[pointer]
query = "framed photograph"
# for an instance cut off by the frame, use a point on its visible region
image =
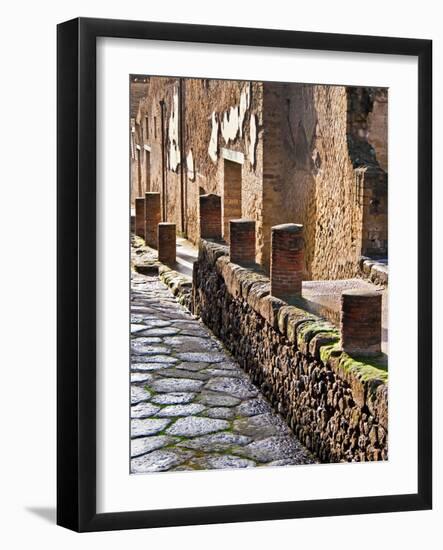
(244, 274)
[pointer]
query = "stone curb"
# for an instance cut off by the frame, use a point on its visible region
(375, 272)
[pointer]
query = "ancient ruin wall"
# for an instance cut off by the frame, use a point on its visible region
(378, 126)
(336, 405)
(306, 154)
(313, 143)
(221, 120)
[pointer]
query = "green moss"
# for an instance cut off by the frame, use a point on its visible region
(309, 329)
(367, 368)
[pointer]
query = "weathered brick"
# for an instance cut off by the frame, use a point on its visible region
(210, 216)
(242, 244)
(140, 217)
(152, 217)
(360, 321)
(166, 243)
(287, 260)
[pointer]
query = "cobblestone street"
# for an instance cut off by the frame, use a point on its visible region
(192, 406)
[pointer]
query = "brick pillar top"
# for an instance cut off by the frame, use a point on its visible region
(287, 260)
(152, 217)
(288, 228)
(210, 216)
(360, 323)
(242, 241)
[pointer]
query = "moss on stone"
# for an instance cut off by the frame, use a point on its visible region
(308, 330)
(366, 368)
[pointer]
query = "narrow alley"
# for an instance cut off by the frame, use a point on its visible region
(192, 406)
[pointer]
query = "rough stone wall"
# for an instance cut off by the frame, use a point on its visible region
(378, 126)
(335, 404)
(288, 184)
(315, 138)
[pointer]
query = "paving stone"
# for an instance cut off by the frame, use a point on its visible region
(137, 328)
(176, 385)
(143, 445)
(181, 410)
(153, 359)
(273, 448)
(148, 426)
(141, 377)
(251, 407)
(145, 367)
(302, 458)
(142, 348)
(141, 309)
(140, 318)
(223, 373)
(189, 343)
(216, 399)
(225, 462)
(157, 323)
(143, 410)
(261, 426)
(195, 332)
(192, 426)
(221, 441)
(181, 373)
(229, 365)
(158, 461)
(187, 365)
(188, 322)
(173, 398)
(166, 331)
(205, 357)
(149, 339)
(220, 412)
(236, 387)
(139, 394)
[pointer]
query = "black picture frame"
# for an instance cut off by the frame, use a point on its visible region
(76, 294)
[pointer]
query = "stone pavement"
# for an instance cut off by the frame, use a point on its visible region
(192, 406)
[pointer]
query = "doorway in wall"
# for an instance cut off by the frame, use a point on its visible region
(232, 182)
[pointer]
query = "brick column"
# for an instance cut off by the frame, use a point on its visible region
(166, 243)
(210, 216)
(360, 321)
(152, 218)
(242, 243)
(140, 217)
(287, 260)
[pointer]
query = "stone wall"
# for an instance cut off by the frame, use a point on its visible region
(211, 123)
(335, 404)
(321, 171)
